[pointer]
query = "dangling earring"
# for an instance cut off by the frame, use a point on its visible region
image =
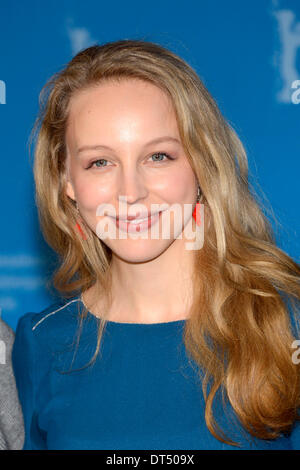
(78, 226)
(196, 213)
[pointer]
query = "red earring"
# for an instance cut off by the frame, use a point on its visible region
(78, 227)
(196, 213)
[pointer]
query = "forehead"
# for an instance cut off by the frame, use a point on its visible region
(112, 104)
(125, 87)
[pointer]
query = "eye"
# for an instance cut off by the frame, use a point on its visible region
(96, 161)
(161, 154)
(158, 160)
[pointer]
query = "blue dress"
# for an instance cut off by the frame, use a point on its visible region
(142, 391)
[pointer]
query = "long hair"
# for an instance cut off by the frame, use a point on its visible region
(244, 315)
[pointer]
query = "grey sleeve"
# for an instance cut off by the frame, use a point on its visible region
(11, 418)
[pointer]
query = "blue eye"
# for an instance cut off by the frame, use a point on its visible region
(162, 153)
(104, 160)
(96, 161)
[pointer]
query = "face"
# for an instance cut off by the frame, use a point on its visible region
(122, 119)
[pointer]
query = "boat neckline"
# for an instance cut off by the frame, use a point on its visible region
(172, 322)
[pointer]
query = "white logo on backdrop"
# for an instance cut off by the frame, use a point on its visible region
(289, 35)
(80, 38)
(17, 273)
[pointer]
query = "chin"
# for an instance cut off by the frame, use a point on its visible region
(139, 251)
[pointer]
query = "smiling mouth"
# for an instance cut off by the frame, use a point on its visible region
(133, 224)
(134, 219)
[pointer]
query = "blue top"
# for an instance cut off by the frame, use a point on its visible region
(142, 392)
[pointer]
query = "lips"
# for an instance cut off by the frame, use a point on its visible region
(134, 225)
(141, 217)
(135, 221)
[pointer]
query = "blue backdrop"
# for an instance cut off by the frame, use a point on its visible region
(246, 53)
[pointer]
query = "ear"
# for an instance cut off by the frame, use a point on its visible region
(70, 190)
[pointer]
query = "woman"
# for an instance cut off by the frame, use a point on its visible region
(155, 344)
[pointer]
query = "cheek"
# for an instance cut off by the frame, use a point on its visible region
(181, 185)
(91, 193)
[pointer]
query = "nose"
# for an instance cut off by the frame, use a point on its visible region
(132, 187)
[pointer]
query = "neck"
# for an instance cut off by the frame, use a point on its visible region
(159, 290)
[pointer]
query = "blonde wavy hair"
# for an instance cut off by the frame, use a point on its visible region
(244, 316)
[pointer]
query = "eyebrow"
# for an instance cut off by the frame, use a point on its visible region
(154, 141)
